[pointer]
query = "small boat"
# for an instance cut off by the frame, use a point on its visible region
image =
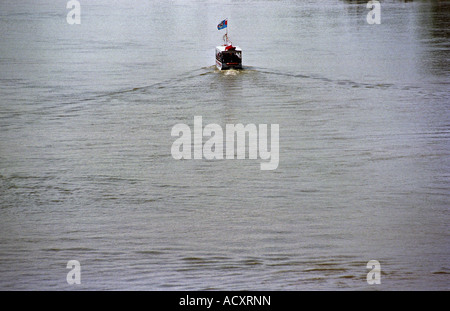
(228, 56)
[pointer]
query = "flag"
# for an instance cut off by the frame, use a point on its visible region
(223, 24)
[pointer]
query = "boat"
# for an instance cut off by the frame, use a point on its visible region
(228, 56)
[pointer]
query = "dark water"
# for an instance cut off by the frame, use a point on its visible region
(86, 172)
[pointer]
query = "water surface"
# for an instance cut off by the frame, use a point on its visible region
(86, 172)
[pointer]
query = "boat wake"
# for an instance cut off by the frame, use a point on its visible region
(229, 72)
(342, 82)
(246, 70)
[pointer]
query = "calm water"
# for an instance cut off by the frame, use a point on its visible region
(86, 173)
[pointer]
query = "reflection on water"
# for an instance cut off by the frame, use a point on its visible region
(435, 34)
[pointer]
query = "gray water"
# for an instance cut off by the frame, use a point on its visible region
(86, 171)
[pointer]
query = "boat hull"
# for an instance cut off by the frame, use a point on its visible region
(225, 66)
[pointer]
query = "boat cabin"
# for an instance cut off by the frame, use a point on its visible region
(228, 57)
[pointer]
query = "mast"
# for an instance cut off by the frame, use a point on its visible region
(226, 31)
(226, 39)
(225, 36)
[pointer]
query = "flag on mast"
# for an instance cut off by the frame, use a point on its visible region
(223, 24)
